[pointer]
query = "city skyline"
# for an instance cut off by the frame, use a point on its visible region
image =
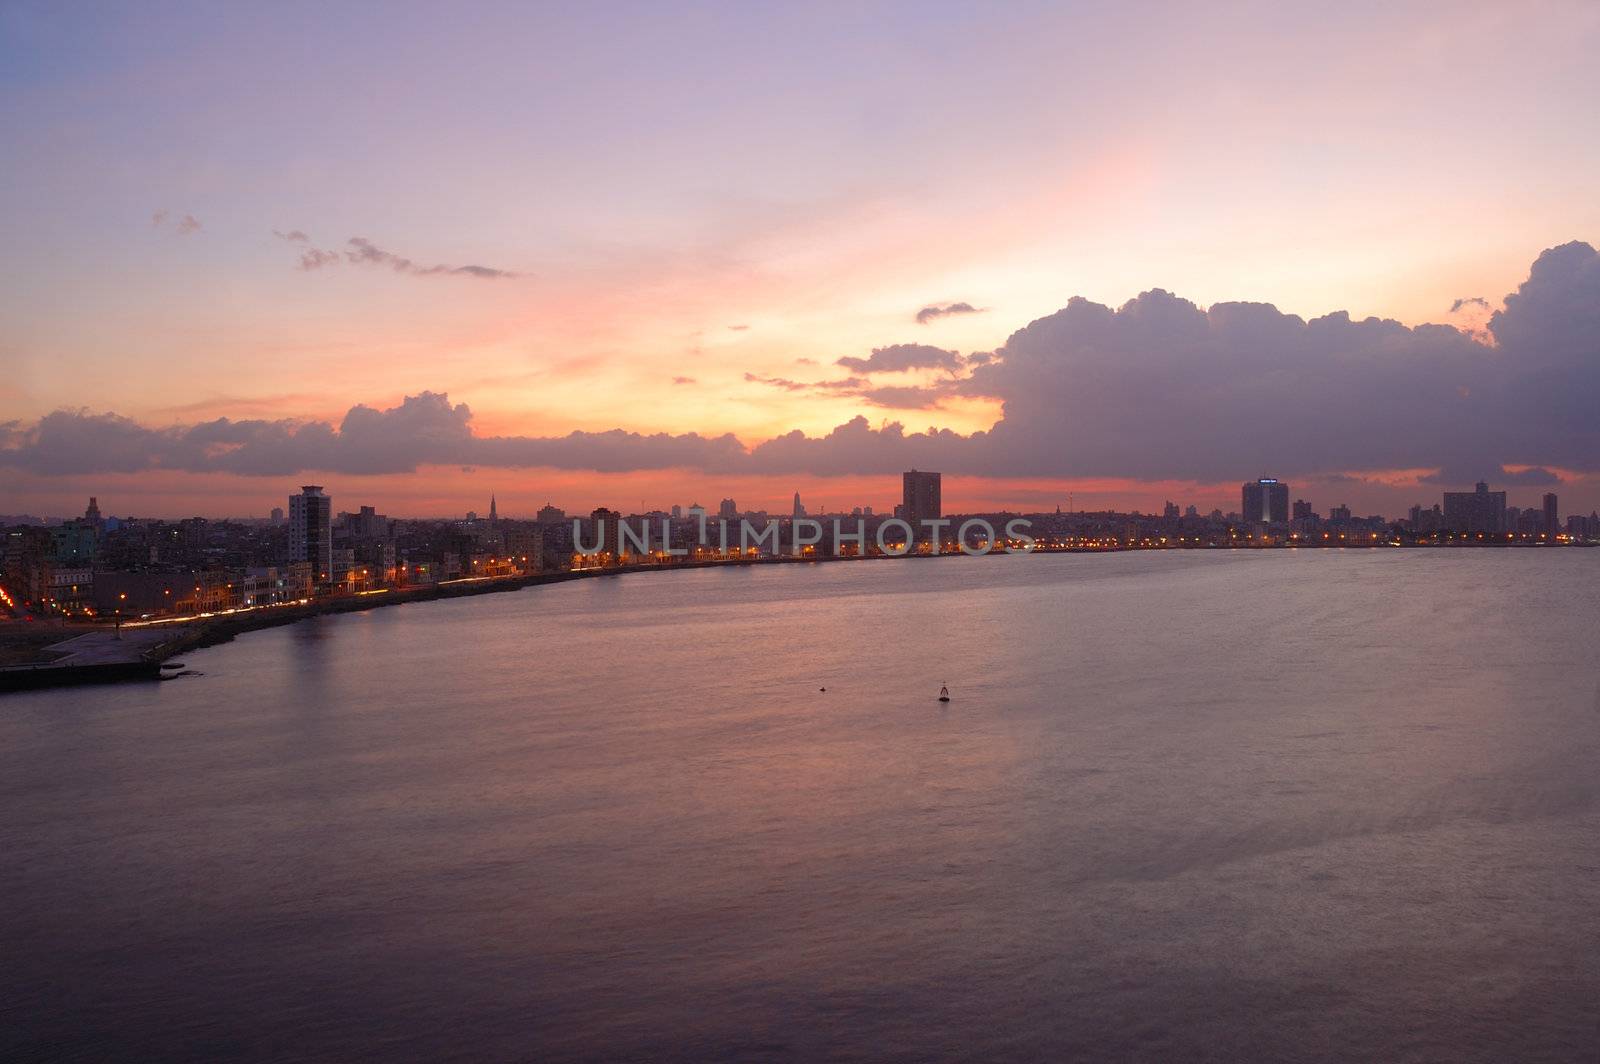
(1264, 502)
(645, 286)
(159, 572)
(541, 509)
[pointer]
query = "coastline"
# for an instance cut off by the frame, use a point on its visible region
(114, 663)
(141, 659)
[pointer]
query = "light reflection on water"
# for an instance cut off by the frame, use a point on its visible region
(1295, 805)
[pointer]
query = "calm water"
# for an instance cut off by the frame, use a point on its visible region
(1292, 806)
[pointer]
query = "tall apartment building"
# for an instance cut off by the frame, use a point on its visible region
(920, 498)
(1265, 502)
(311, 531)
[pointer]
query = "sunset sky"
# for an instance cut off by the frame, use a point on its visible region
(667, 225)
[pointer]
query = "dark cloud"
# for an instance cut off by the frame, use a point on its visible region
(857, 447)
(1469, 301)
(1161, 388)
(936, 311)
(1155, 389)
(1533, 476)
(363, 252)
(899, 358)
(315, 259)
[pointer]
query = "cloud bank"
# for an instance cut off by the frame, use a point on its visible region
(1155, 389)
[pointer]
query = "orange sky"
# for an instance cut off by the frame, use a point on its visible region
(679, 203)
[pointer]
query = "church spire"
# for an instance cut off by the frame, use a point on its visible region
(493, 514)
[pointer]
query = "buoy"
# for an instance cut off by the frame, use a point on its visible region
(944, 693)
(822, 688)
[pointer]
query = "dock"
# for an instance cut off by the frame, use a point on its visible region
(101, 656)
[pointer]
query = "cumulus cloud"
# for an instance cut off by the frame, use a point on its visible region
(899, 358)
(933, 312)
(1161, 388)
(425, 429)
(1158, 388)
(293, 236)
(857, 447)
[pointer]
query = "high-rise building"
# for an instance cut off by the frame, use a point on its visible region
(1479, 510)
(1302, 510)
(1266, 502)
(1552, 520)
(920, 498)
(608, 534)
(799, 507)
(277, 515)
(92, 513)
(550, 515)
(728, 510)
(311, 531)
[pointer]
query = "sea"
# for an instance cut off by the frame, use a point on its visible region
(1311, 805)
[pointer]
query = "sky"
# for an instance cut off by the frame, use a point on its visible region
(644, 254)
